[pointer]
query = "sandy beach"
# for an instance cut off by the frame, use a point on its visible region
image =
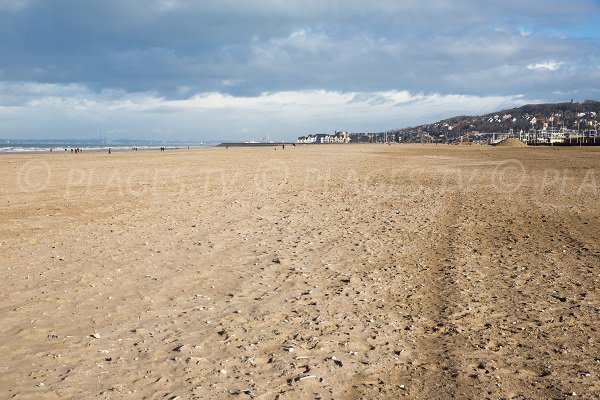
(314, 272)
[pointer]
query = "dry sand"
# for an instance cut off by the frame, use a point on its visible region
(511, 142)
(330, 272)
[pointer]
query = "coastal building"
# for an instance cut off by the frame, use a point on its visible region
(323, 138)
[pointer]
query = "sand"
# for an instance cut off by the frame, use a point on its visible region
(511, 142)
(330, 272)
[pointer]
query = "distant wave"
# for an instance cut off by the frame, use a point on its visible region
(21, 149)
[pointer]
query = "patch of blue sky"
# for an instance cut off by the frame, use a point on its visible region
(589, 29)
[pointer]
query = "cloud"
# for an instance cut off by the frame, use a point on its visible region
(283, 114)
(274, 45)
(547, 66)
(176, 50)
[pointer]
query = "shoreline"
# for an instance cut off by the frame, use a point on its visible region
(61, 150)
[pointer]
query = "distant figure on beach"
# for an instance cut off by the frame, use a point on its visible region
(294, 144)
(283, 147)
(109, 150)
(226, 147)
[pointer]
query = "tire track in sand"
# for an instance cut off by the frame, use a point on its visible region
(437, 339)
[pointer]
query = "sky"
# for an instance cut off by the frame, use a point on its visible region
(252, 69)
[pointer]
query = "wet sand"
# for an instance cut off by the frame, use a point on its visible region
(331, 272)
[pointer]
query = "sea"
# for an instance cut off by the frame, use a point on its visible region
(16, 146)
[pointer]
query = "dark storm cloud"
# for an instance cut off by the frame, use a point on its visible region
(187, 68)
(255, 46)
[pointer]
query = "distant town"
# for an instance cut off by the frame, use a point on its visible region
(536, 124)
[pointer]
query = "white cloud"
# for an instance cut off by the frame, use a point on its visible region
(524, 32)
(547, 66)
(219, 116)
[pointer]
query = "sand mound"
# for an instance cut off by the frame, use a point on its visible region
(511, 142)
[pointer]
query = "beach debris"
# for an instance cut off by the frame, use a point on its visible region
(193, 360)
(52, 336)
(289, 346)
(560, 298)
(247, 391)
(337, 362)
(95, 335)
(276, 260)
(301, 378)
(180, 348)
